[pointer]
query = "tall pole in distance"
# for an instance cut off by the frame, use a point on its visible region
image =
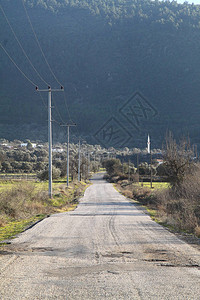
(68, 126)
(88, 163)
(138, 171)
(50, 142)
(67, 156)
(79, 161)
(151, 169)
(49, 90)
(149, 151)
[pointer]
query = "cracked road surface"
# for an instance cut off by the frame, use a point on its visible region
(108, 248)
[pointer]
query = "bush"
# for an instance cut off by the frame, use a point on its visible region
(182, 204)
(44, 175)
(143, 195)
(128, 194)
(135, 177)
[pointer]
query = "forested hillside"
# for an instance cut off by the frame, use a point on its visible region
(129, 68)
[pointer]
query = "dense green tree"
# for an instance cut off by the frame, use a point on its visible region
(113, 166)
(29, 145)
(6, 167)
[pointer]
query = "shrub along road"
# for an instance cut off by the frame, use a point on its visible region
(107, 248)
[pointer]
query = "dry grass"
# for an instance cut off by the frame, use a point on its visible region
(2, 221)
(197, 231)
(27, 199)
(22, 201)
(179, 208)
(27, 202)
(128, 193)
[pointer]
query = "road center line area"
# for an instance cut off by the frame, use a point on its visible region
(107, 248)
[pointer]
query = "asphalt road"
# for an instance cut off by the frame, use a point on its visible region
(107, 248)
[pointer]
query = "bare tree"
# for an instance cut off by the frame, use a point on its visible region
(178, 159)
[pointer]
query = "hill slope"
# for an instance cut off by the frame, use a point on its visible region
(128, 67)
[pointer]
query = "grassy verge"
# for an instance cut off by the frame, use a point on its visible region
(24, 203)
(15, 227)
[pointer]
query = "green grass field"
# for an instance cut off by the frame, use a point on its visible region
(155, 185)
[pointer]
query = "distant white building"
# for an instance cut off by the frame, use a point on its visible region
(25, 145)
(57, 150)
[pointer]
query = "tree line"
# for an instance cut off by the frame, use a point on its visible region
(162, 12)
(29, 160)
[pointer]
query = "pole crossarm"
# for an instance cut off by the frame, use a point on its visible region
(68, 125)
(50, 89)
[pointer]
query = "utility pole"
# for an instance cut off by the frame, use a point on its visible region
(151, 168)
(88, 163)
(138, 171)
(49, 90)
(79, 161)
(149, 152)
(68, 126)
(196, 153)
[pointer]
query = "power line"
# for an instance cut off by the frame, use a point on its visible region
(24, 52)
(17, 66)
(22, 46)
(46, 107)
(43, 100)
(57, 110)
(38, 43)
(34, 84)
(36, 38)
(66, 105)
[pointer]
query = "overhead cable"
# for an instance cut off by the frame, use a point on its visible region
(22, 46)
(36, 38)
(17, 66)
